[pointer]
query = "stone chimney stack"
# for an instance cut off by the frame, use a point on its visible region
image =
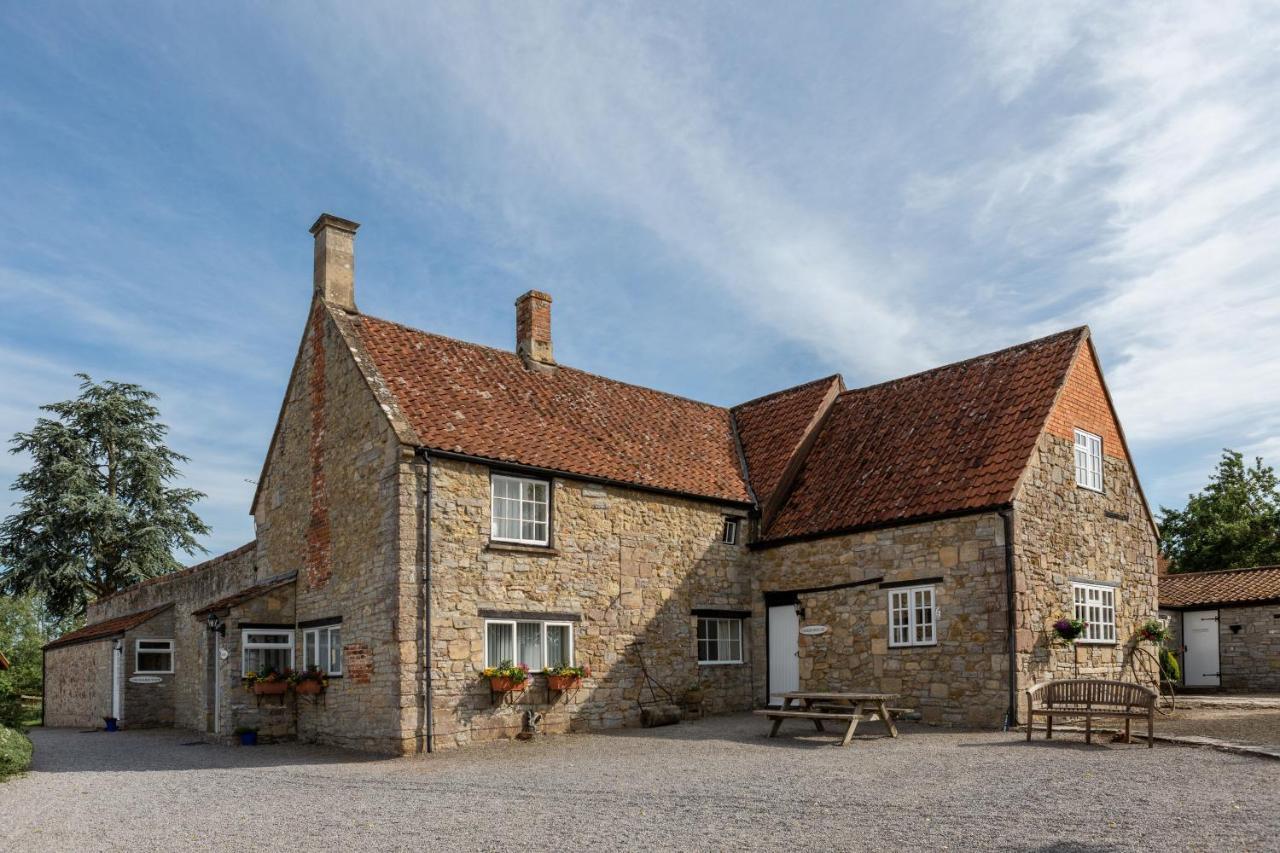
(533, 329)
(335, 261)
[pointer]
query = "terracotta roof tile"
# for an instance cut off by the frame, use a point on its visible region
(772, 427)
(952, 439)
(1233, 586)
(475, 400)
(107, 628)
(247, 593)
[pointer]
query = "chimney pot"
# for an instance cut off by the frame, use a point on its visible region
(335, 261)
(533, 329)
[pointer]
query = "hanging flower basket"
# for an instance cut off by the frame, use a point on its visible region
(1068, 630)
(1153, 631)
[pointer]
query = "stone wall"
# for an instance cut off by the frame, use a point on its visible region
(1065, 533)
(330, 507)
(77, 684)
(1250, 657)
(629, 566)
(275, 717)
(187, 590)
(150, 702)
(961, 679)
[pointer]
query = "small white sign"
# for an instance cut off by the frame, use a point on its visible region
(145, 679)
(814, 630)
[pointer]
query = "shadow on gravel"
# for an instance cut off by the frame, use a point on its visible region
(74, 751)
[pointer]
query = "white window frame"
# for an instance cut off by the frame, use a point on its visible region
(521, 502)
(245, 645)
(729, 531)
(907, 600)
(1088, 451)
(720, 641)
(542, 641)
(311, 639)
(138, 650)
(1102, 599)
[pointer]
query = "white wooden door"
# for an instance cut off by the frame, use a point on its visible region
(784, 651)
(1200, 660)
(117, 680)
(217, 683)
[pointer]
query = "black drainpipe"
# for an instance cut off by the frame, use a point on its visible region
(1011, 600)
(44, 684)
(425, 539)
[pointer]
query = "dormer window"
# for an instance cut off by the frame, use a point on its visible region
(1088, 461)
(521, 510)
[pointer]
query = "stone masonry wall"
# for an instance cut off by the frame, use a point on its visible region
(961, 679)
(188, 590)
(1250, 657)
(329, 507)
(1065, 533)
(275, 717)
(149, 703)
(629, 565)
(77, 685)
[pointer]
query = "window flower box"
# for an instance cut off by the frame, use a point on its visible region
(561, 678)
(268, 682)
(309, 682)
(507, 677)
(270, 688)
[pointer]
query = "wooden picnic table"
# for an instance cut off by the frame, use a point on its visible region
(818, 706)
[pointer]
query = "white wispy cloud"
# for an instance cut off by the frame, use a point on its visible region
(1166, 174)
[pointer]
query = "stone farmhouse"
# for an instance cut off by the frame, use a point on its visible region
(429, 506)
(1226, 626)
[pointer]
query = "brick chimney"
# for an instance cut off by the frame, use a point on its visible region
(533, 329)
(335, 261)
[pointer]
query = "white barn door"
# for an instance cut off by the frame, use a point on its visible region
(1200, 660)
(784, 651)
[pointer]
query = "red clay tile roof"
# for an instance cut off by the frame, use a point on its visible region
(952, 439)
(247, 593)
(772, 427)
(190, 570)
(108, 628)
(474, 400)
(1232, 586)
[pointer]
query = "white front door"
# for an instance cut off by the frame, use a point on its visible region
(784, 651)
(117, 680)
(1200, 660)
(217, 683)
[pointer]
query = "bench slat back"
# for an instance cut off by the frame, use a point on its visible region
(1090, 692)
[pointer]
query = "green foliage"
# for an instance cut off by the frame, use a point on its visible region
(97, 512)
(1169, 665)
(24, 629)
(1233, 524)
(15, 752)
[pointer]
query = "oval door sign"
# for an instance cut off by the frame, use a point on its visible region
(145, 679)
(813, 630)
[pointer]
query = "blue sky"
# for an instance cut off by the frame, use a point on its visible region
(723, 201)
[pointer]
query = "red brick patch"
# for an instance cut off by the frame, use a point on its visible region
(357, 662)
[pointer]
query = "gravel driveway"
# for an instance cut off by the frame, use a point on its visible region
(711, 784)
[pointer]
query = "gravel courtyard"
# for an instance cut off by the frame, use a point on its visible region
(712, 784)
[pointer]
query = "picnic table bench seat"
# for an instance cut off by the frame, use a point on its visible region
(849, 708)
(1089, 698)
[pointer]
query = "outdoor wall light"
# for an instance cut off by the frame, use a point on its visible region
(216, 625)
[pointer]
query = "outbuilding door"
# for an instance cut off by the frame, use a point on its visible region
(1200, 660)
(784, 651)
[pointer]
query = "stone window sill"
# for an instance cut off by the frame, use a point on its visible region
(514, 548)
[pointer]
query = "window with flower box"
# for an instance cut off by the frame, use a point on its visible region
(536, 644)
(266, 648)
(322, 648)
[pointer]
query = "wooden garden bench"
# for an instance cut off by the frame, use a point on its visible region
(1089, 698)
